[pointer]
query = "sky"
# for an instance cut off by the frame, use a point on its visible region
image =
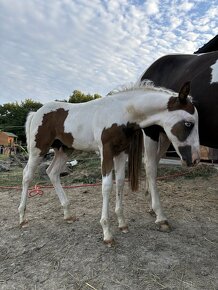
(49, 48)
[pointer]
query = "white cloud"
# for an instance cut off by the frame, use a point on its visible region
(186, 6)
(175, 22)
(152, 7)
(49, 48)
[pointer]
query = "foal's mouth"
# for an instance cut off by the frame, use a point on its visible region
(187, 157)
(191, 163)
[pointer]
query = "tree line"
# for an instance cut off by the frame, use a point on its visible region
(13, 115)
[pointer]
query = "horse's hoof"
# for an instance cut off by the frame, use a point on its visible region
(24, 224)
(71, 219)
(110, 243)
(124, 229)
(164, 226)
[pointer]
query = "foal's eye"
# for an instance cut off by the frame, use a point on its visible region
(189, 124)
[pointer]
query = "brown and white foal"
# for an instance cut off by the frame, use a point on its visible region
(111, 125)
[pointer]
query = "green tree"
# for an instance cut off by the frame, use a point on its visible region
(13, 116)
(79, 97)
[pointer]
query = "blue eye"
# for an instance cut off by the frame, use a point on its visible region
(189, 124)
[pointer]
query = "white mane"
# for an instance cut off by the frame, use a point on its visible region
(140, 85)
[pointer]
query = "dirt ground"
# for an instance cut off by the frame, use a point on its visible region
(53, 255)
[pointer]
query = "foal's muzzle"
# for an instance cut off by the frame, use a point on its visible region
(187, 156)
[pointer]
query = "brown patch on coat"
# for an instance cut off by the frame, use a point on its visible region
(119, 138)
(181, 131)
(115, 140)
(175, 104)
(52, 129)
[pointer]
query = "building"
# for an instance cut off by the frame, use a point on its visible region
(7, 138)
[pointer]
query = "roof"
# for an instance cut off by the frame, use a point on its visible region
(10, 134)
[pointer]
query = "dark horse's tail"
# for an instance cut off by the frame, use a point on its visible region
(135, 159)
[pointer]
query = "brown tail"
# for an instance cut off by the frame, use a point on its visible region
(135, 159)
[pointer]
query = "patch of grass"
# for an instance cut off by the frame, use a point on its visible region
(88, 170)
(3, 157)
(14, 177)
(201, 170)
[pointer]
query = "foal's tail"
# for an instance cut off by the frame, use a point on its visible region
(135, 159)
(27, 128)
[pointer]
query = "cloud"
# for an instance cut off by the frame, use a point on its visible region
(152, 7)
(50, 48)
(186, 6)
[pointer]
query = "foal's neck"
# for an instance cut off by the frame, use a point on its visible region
(146, 107)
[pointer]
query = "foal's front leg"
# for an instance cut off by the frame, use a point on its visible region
(151, 159)
(119, 166)
(107, 183)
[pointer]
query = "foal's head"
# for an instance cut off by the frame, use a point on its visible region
(181, 126)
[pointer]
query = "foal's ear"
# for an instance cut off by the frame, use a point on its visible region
(184, 92)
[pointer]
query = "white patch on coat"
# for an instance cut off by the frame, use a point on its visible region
(214, 73)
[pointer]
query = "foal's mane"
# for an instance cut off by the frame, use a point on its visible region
(144, 85)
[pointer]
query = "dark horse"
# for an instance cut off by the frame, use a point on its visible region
(171, 71)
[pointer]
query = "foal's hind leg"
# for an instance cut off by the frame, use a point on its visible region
(53, 172)
(28, 173)
(119, 166)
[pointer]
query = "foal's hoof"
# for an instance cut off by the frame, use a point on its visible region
(71, 219)
(164, 226)
(124, 229)
(24, 224)
(110, 243)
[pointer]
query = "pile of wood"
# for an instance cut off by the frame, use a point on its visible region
(208, 153)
